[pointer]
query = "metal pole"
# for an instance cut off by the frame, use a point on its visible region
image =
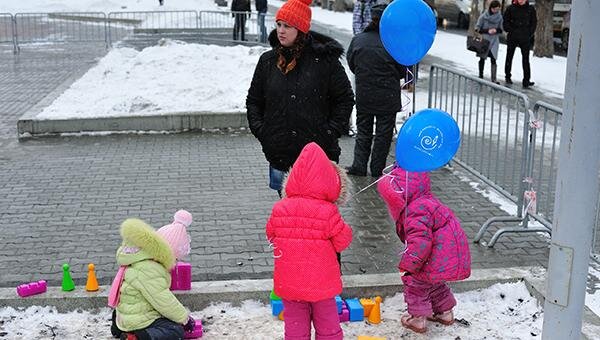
(577, 183)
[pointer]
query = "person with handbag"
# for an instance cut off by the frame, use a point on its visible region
(489, 25)
(520, 21)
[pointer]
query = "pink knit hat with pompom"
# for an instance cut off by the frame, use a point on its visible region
(176, 233)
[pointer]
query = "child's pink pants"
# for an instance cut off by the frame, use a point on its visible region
(297, 316)
(424, 298)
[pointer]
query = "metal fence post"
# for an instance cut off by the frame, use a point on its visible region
(577, 180)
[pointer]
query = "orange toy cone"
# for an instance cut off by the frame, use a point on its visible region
(92, 282)
(375, 315)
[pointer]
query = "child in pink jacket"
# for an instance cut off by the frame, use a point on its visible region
(306, 231)
(437, 249)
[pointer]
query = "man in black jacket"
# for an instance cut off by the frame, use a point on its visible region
(378, 97)
(520, 21)
(261, 8)
(240, 9)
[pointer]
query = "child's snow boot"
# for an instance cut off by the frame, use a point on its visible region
(414, 323)
(446, 318)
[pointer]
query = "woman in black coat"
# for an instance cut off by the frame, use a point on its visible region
(378, 97)
(299, 93)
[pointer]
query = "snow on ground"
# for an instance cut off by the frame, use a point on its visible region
(172, 77)
(485, 313)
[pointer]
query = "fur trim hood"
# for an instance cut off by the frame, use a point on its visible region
(322, 45)
(141, 242)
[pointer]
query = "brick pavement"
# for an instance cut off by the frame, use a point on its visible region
(62, 198)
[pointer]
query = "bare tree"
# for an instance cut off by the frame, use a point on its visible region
(544, 35)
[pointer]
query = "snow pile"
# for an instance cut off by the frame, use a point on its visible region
(502, 311)
(168, 78)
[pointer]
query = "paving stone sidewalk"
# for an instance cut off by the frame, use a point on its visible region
(62, 198)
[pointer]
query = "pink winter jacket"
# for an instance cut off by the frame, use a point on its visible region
(437, 248)
(306, 230)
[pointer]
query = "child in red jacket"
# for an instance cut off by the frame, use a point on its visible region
(306, 231)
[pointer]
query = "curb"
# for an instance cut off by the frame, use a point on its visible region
(181, 121)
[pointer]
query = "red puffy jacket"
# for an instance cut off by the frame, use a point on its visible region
(306, 230)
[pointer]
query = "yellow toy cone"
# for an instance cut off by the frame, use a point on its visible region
(92, 282)
(375, 315)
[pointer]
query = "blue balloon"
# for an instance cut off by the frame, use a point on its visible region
(427, 140)
(407, 30)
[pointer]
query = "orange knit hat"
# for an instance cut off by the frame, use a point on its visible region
(296, 13)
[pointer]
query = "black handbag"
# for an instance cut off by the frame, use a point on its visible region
(477, 44)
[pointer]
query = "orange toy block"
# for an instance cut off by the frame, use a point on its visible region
(375, 315)
(92, 283)
(366, 337)
(367, 305)
(281, 316)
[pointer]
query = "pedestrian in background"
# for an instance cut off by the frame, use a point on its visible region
(361, 15)
(489, 25)
(261, 8)
(378, 96)
(299, 92)
(520, 21)
(241, 10)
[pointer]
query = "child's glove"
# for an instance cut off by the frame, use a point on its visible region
(190, 325)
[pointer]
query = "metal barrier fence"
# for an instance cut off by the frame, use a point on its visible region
(218, 21)
(97, 27)
(495, 138)
(124, 24)
(7, 29)
(60, 27)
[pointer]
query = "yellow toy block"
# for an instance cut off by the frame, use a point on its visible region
(366, 337)
(367, 305)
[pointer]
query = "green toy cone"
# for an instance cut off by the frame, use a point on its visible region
(67, 282)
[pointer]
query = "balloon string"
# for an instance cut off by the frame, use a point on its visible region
(404, 87)
(370, 185)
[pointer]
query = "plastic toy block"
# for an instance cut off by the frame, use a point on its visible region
(280, 316)
(366, 337)
(67, 282)
(181, 276)
(357, 312)
(344, 315)
(196, 333)
(92, 283)
(32, 288)
(274, 296)
(339, 302)
(375, 315)
(276, 307)
(367, 305)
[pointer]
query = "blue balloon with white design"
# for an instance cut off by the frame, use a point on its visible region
(407, 29)
(428, 140)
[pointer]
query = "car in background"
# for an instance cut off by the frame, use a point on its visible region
(456, 11)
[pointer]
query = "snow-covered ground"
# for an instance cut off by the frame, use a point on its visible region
(171, 77)
(486, 313)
